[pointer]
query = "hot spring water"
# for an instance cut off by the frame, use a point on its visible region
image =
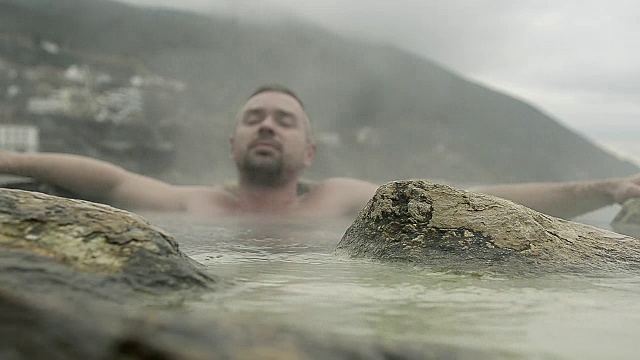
(288, 274)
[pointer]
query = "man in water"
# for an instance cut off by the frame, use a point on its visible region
(271, 146)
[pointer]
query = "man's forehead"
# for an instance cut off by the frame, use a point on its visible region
(273, 100)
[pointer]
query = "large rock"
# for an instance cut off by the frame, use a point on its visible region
(450, 229)
(627, 221)
(74, 248)
(32, 331)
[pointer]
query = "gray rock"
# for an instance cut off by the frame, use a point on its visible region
(627, 221)
(34, 330)
(78, 248)
(456, 230)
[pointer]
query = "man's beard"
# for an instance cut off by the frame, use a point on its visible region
(262, 173)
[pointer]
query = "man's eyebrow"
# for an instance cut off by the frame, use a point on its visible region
(260, 110)
(285, 112)
(254, 110)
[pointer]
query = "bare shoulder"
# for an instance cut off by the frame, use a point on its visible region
(348, 184)
(347, 194)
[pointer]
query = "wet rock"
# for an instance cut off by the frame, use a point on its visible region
(451, 229)
(74, 248)
(30, 184)
(54, 330)
(627, 221)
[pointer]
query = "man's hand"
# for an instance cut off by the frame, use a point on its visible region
(626, 188)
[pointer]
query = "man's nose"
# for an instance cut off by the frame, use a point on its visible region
(265, 130)
(267, 126)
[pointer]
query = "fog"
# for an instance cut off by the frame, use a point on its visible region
(573, 59)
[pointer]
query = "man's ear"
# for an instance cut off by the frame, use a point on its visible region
(310, 153)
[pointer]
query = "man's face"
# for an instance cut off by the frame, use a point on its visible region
(270, 139)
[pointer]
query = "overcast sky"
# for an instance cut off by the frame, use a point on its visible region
(576, 60)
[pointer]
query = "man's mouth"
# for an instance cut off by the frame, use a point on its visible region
(265, 146)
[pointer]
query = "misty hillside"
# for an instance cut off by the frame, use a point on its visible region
(379, 113)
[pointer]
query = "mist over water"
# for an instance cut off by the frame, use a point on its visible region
(569, 59)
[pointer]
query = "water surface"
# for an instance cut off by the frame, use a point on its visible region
(288, 274)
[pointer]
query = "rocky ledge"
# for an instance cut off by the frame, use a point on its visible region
(455, 230)
(52, 245)
(33, 330)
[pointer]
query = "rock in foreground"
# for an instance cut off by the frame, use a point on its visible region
(33, 331)
(451, 229)
(627, 221)
(51, 245)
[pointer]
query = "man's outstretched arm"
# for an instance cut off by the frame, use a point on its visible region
(94, 178)
(562, 199)
(568, 199)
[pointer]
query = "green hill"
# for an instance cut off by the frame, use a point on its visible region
(380, 113)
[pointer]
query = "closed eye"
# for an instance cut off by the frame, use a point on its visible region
(285, 119)
(253, 117)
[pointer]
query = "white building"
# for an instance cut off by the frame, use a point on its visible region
(23, 138)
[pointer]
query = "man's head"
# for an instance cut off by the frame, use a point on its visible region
(271, 142)
(285, 90)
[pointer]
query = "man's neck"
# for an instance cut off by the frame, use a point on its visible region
(276, 198)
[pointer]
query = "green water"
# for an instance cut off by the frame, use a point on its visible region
(288, 274)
